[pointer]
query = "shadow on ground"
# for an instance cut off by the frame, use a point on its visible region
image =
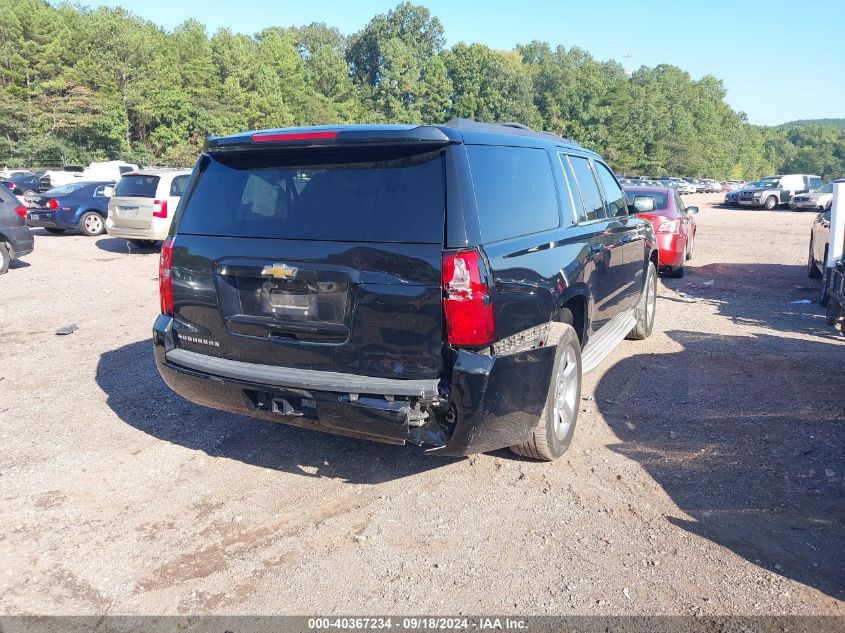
(120, 245)
(156, 410)
(747, 436)
(757, 295)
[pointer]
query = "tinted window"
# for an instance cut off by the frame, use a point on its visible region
(593, 208)
(177, 187)
(813, 182)
(137, 186)
(514, 190)
(388, 195)
(616, 205)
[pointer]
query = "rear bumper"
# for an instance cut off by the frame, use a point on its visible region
(52, 219)
(21, 240)
(670, 249)
(157, 230)
(491, 402)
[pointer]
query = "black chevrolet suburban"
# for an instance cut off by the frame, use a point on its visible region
(445, 285)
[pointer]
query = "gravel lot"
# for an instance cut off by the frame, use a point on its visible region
(706, 475)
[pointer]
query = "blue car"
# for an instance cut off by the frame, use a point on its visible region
(78, 205)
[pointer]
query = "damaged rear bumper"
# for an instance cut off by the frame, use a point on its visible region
(491, 402)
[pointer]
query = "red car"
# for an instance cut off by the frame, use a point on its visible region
(674, 224)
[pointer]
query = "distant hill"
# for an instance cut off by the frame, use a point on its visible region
(838, 124)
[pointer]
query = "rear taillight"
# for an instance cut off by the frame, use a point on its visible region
(669, 226)
(21, 211)
(466, 300)
(165, 287)
(159, 208)
(51, 204)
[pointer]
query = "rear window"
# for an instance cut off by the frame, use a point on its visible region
(514, 189)
(66, 189)
(137, 186)
(661, 199)
(389, 195)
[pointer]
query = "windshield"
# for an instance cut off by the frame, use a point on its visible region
(65, 189)
(385, 195)
(768, 182)
(828, 188)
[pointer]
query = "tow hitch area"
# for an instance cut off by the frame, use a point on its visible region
(368, 417)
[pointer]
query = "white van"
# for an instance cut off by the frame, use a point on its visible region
(143, 204)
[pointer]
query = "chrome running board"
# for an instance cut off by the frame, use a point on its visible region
(608, 337)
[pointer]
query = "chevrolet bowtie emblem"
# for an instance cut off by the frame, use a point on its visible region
(279, 271)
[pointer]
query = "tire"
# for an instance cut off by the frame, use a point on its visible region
(91, 223)
(771, 203)
(556, 426)
(824, 293)
(5, 258)
(142, 243)
(834, 311)
(645, 307)
(813, 271)
(54, 230)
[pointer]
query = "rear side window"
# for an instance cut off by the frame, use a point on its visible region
(514, 189)
(177, 187)
(616, 205)
(385, 195)
(137, 186)
(593, 204)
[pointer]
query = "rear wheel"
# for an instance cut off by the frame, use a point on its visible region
(556, 426)
(54, 230)
(834, 311)
(771, 203)
(91, 223)
(5, 258)
(813, 271)
(646, 306)
(824, 294)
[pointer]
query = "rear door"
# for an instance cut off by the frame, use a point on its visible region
(132, 203)
(631, 232)
(324, 259)
(605, 258)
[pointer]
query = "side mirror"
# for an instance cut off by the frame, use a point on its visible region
(643, 204)
(692, 209)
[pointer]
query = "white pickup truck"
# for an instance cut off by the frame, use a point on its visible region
(110, 170)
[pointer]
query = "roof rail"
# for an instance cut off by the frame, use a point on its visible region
(505, 128)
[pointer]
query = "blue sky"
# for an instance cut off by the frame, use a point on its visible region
(764, 51)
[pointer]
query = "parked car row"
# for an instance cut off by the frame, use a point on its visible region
(683, 185)
(141, 202)
(798, 191)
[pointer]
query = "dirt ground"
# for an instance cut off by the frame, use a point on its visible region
(705, 477)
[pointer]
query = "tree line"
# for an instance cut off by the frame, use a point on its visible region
(78, 85)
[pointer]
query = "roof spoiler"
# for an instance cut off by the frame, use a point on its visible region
(327, 137)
